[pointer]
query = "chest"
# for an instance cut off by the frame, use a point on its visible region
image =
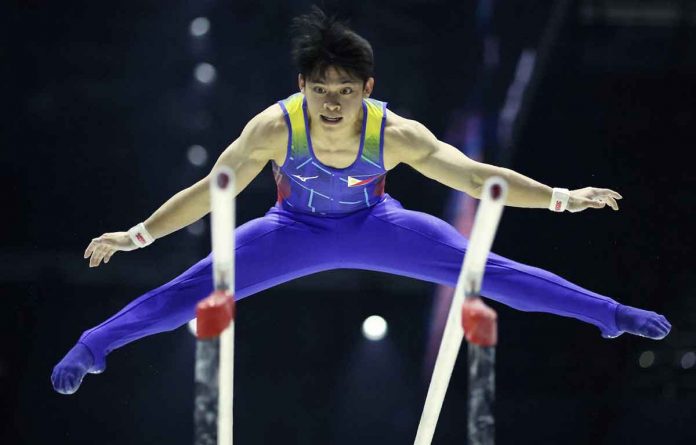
(340, 156)
(345, 154)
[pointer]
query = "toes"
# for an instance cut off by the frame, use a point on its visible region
(71, 383)
(657, 330)
(643, 323)
(66, 385)
(661, 325)
(55, 377)
(662, 320)
(62, 384)
(66, 381)
(656, 326)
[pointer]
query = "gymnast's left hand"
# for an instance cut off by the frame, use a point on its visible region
(103, 247)
(592, 198)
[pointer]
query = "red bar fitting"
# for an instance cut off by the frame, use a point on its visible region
(214, 313)
(480, 322)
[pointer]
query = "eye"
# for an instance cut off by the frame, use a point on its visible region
(347, 90)
(319, 90)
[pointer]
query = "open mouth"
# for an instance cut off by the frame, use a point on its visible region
(330, 120)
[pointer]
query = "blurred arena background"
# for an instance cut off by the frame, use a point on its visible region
(110, 108)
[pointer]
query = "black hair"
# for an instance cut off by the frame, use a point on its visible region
(320, 41)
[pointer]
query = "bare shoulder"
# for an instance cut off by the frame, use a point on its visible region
(267, 134)
(405, 140)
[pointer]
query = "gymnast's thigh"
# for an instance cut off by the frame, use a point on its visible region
(418, 245)
(405, 242)
(269, 250)
(279, 247)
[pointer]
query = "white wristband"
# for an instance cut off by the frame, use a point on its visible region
(140, 236)
(559, 200)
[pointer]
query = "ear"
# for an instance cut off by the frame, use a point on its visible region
(369, 85)
(301, 82)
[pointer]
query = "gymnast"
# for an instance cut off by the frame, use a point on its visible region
(331, 145)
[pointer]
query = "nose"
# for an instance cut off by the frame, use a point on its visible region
(332, 105)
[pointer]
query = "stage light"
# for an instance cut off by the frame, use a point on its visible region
(199, 26)
(688, 360)
(646, 359)
(205, 73)
(197, 155)
(374, 328)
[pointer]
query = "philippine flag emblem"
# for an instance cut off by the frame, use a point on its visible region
(357, 182)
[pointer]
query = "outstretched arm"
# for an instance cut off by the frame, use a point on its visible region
(412, 143)
(262, 139)
(246, 156)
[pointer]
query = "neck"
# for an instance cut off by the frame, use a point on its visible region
(336, 136)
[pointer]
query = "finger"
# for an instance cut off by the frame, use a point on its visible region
(612, 203)
(609, 192)
(97, 256)
(585, 203)
(90, 248)
(108, 256)
(102, 253)
(93, 259)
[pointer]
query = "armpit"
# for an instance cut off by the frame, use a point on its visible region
(406, 141)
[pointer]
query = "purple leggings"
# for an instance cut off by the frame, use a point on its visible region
(283, 245)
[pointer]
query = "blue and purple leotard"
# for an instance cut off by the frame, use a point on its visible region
(342, 218)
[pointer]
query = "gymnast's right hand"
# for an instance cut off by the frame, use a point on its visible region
(103, 247)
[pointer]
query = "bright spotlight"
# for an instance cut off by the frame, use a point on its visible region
(688, 360)
(197, 155)
(374, 328)
(204, 73)
(199, 27)
(646, 359)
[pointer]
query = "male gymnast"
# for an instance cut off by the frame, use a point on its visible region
(331, 146)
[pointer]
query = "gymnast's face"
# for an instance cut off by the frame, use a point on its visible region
(335, 100)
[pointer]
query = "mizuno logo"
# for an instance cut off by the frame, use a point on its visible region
(305, 178)
(357, 182)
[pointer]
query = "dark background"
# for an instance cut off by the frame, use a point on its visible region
(100, 106)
